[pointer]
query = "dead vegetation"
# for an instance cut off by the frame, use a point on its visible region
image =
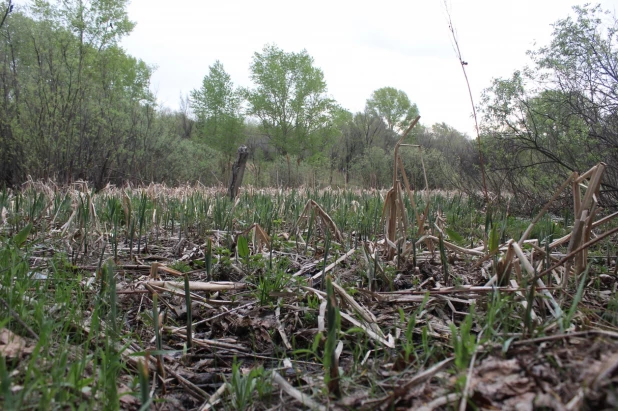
(354, 301)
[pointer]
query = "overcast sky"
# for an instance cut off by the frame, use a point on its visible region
(360, 46)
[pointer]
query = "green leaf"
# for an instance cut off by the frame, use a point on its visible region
(22, 236)
(243, 247)
(507, 344)
(454, 235)
(494, 239)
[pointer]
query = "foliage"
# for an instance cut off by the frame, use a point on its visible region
(560, 114)
(289, 99)
(217, 107)
(80, 107)
(393, 106)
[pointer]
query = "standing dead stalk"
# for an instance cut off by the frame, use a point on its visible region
(476, 123)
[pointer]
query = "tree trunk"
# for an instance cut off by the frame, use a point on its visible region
(238, 170)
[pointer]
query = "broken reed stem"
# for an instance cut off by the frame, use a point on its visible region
(572, 253)
(420, 148)
(393, 204)
(404, 135)
(408, 190)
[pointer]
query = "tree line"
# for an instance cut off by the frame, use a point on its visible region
(75, 105)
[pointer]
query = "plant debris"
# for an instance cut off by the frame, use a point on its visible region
(352, 301)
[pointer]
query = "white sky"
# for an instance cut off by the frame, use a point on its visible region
(360, 46)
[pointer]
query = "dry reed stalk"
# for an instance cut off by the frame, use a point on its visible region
(329, 267)
(280, 327)
(450, 246)
(582, 247)
(260, 238)
(367, 316)
(393, 212)
(198, 285)
(597, 223)
(577, 195)
(323, 216)
(504, 266)
(584, 213)
(523, 260)
(476, 123)
(182, 333)
(408, 190)
(389, 400)
(154, 271)
(387, 342)
(214, 399)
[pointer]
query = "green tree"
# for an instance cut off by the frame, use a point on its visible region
(217, 105)
(360, 132)
(560, 114)
(393, 106)
(290, 100)
(75, 105)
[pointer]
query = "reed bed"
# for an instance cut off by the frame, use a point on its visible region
(162, 297)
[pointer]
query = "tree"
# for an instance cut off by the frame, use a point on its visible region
(393, 106)
(74, 105)
(359, 133)
(5, 13)
(290, 100)
(217, 105)
(560, 114)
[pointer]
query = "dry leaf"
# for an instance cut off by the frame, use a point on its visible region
(12, 345)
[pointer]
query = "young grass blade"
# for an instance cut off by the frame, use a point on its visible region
(20, 238)
(326, 250)
(108, 272)
(331, 363)
(578, 297)
(143, 383)
(243, 247)
(155, 320)
(528, 315)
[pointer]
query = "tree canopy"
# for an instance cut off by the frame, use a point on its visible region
(217, 105)
(560, 113)
(289, 98)
(393, 106)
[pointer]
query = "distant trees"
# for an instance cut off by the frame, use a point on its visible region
(74, 105)
(360, 132)
(368, 137)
